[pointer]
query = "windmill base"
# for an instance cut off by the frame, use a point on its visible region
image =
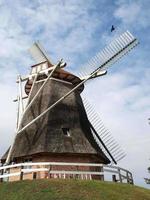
(55, 158)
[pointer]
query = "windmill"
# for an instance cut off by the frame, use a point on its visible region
(56, 124)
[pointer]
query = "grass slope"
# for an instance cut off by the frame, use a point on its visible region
(71, 190)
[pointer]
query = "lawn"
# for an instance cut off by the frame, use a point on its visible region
(52, 189)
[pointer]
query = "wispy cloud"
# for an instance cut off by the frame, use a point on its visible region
(128, 13)
(133, 13)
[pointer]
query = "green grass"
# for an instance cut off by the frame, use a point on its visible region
(50, 189)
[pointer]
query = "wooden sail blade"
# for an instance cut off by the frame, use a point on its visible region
(39, 54)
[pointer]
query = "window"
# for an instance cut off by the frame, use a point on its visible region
(66, 131)
(28, 160)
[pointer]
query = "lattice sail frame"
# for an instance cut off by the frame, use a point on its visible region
(110, 54)
(112, 146)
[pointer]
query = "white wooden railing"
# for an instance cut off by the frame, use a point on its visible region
(21, 169)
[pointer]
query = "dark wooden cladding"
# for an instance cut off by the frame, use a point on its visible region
(46, 134)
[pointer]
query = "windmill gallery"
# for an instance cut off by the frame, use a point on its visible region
(58, 135)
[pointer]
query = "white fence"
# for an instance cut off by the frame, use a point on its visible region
(60, 170)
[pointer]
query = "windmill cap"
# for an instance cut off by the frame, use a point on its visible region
(59, 74)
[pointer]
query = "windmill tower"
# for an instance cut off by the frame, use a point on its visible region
(54, 126)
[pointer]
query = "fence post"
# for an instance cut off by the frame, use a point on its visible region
(131, 182)
(128, 178)
(102, 170)
(114, 178)
(49, 171)
(120, 178)
(21, 174)
(1, 179)
(34, 175)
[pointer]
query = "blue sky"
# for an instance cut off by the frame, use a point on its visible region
(76, 30)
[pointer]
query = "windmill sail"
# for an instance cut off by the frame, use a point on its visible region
(102, 136)
(110, 54)
(38, 53)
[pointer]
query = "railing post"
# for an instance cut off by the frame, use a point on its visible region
(114, 178)
(119, 174)
(49, 171)
(102, 170)
(21, 174)
(128, 178)
(77, 176)
(2, 172)
(131, 182)
(34, 175)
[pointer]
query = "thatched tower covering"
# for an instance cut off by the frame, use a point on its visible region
(63, 132)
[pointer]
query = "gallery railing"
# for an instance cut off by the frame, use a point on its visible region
(65, 170)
